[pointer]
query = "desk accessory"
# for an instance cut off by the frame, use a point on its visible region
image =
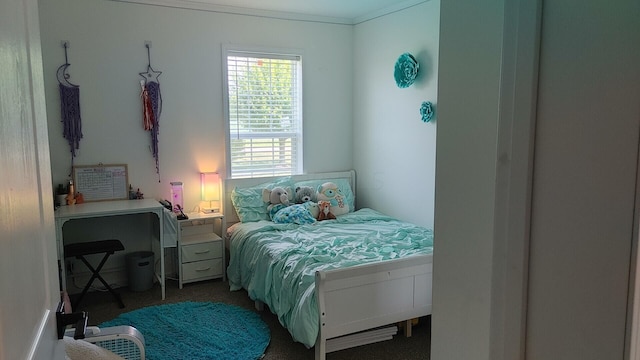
(176, 195)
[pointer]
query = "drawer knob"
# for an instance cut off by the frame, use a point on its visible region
(202, 252)
(207, 269)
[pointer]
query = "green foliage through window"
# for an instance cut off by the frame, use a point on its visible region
(265, 114)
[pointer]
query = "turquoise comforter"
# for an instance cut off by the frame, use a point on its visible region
(276, 263)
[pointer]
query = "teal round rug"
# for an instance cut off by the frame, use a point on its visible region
(198, 330)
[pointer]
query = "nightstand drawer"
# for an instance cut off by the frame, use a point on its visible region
(202, 269)
(202, 251)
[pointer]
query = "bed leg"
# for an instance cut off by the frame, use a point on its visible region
(407, 327)
(321, 349)
(259, 305)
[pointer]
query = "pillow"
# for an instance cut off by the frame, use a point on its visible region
(248, 201)
(342, 184)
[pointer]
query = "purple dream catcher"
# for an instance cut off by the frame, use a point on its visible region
(69, 106)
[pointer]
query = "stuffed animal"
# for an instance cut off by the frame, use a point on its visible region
(325, 211)
(278, 199)
(330, 192)
(294, 214)
(313, 208)
(304, 194)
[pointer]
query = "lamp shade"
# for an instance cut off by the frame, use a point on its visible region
(210, 183)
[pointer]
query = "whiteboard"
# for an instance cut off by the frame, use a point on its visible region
(101, 182)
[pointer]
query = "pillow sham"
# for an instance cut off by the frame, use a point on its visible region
(342, 184)
(248, 201)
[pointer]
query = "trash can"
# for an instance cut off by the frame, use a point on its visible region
(140, 270)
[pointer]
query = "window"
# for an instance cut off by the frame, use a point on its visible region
(264, 114)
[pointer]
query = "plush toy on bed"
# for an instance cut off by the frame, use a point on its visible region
(330, 192)
(304, 194)
(305, 211)
(324, 213)
(278, 199)
(296, 214)
(313, 208)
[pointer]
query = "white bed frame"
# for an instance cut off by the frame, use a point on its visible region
(356, 303)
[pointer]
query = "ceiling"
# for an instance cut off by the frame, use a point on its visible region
(332, 11)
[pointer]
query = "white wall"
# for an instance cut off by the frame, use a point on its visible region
(107, 52)
(394, 151)
(377, 124)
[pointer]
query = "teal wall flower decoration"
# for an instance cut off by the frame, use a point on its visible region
(405, 70)
(426, 111)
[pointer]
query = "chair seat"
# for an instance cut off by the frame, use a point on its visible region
(93, 247)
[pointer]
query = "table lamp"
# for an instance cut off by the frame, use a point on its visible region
(210, 185)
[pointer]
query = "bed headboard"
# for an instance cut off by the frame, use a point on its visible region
(229, 184)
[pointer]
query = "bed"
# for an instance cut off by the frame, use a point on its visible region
(333, 284)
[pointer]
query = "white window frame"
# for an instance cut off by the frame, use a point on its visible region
(297, 137)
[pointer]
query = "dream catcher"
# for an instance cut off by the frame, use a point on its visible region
(69, 106)
(151, 105)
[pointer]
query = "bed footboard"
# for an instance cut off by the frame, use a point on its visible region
(354, 299)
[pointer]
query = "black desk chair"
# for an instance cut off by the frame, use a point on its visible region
(79, 250)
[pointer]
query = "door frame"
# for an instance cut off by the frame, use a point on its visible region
(632, 331)
(514, 175)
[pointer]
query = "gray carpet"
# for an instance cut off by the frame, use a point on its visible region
(101, 307)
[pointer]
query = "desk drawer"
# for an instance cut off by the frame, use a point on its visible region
(201, 269)
(202, 251)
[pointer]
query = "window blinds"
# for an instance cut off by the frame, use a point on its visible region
(265, 114)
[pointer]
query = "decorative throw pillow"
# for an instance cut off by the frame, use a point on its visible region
(248, 201)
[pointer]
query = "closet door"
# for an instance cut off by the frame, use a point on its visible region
(586, 148)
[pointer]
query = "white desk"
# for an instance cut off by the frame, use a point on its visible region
(111, 208)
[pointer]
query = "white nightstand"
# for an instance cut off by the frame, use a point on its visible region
(200, 248)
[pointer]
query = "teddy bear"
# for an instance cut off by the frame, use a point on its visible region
(304, 194)
(325, 213)
(330, 192)
(278, 199)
